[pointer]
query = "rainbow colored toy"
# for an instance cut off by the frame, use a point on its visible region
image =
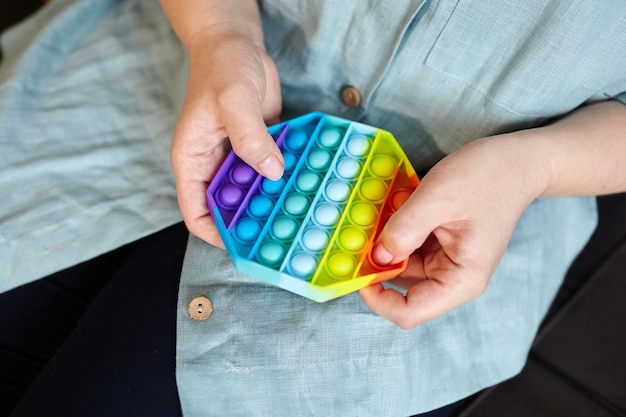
(311, 232)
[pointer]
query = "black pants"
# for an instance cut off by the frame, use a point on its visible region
(98, 339)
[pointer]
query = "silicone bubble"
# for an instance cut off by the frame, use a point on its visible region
(290, 161)
(284, 227)
(243, 174)
(303, 264)
(348, 168)
(341, 265)
(260, 206)
(337, 190)
(330, 137)
(399, 198)
(272, 187)
(247, 229)
(271, 253)
(363, 214)
(296, 141)
(358, 145)
(373, 189)
(319, 159)
(308, 181)
(296, 204)
(230, 196)
(326, 214)
(315, 239)
(352, 238)
(383, 166)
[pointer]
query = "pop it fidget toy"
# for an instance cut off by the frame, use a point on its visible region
(311, 232)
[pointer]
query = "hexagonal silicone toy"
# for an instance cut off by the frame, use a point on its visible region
(311, 232)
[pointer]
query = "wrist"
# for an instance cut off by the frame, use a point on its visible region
(220, 34)
(522, 166)
(532, 163)
(196, 21)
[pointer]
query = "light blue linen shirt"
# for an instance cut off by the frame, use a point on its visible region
(89, 95)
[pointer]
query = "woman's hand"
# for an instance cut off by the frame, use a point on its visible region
(455, 227)
(454, 230)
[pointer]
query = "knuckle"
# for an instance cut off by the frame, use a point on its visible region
(400, 233)
(398, 241)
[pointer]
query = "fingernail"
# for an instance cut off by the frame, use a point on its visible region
(381, 255)
(271, 168)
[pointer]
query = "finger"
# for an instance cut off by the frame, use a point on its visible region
(424, 301)
(192, 170)
(413, 273)
(407, 229)
(242, 115)
(193, 207)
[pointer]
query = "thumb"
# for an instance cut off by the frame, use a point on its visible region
(405, 231)
(243, 119)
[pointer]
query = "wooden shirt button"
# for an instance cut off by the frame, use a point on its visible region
(200, 308)
(350, 96)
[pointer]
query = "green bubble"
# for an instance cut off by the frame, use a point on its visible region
(271, 253)
(319, 159)
(330, 137)
(308, 181)
(284, 228)
(296, 204)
